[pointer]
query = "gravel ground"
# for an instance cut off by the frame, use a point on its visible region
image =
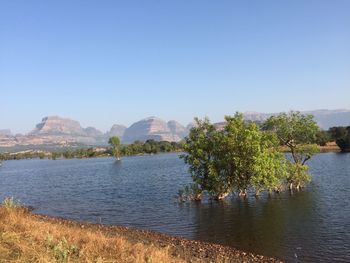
(190, 250)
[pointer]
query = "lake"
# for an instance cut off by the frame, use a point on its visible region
(309, 226)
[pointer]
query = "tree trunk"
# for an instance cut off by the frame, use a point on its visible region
(221, 196)
(243, 193)
(291, 186)
(197, 197)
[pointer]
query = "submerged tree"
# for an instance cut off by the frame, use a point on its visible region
(298, 132)
(234, 158)
(202, 154)
(115, 143)
(251, 156)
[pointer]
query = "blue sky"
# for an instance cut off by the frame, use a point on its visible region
(106, 62)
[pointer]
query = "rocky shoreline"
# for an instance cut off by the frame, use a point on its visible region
(188, 250)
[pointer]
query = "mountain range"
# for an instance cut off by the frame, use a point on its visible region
(55, 130)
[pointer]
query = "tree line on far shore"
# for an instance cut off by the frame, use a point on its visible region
(136, 148)
(340, 135)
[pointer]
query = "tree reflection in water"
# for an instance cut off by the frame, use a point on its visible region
(268, 225)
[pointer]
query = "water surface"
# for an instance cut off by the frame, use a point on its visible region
(308, 226)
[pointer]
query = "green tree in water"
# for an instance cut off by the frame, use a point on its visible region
(239, 156)
(297, 132)
(115, 143)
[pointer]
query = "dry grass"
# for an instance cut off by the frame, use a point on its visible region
(27, 238)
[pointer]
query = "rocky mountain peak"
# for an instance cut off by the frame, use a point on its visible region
(58, 125)
(116, 130)
(153, 128)
(93, 132)
(177, 128)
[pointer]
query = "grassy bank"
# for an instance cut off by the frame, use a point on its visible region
(26, 237)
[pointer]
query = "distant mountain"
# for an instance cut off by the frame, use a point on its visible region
(55, 130)
(55, 125)
(331, 118)
(116, 130)
(177, 129)
(154, 128)
(5, 132)
(93, 132)
(324, 118)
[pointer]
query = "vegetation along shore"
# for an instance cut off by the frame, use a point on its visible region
(336, 139)
(27, 237)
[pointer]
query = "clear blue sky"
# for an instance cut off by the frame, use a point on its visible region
(105, 62)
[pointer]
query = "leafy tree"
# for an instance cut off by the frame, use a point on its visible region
(344, 143)
(342, 137)
(252, 156)
(234, 158)
(115, 143)
(338, 132)
(200, 146)
(323, 137)
(298, 132)
(270, 172)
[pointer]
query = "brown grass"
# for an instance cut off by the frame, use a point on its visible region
(27, 238)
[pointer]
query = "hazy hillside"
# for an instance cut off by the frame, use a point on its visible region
(55, 130)
(324, 118)
(154, 128)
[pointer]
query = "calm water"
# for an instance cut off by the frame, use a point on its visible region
(309, 226)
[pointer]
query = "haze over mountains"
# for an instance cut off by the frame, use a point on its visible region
(55, 130)
(324, 118)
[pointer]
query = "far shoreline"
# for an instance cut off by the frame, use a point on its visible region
(35, 153)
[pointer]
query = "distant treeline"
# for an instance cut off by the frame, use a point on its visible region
(136, 148)
(340, 134)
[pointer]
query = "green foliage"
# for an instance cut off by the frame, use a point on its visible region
(338, 132)
(344, 143)
(323, 137)
(251, 155)
(241, 155)
(29, 154)
(341, 135)
(299, 133)
(204, 146)
(298, 175)
(295, 130)
(150, 147)
(115, 142)
(62, 250)
(234, 158)
(138, 147)
(270, 172)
